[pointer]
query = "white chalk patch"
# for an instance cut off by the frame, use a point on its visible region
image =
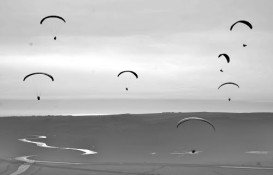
(40, 144)
(85, 151)
(27, 160)
(21, 169)
(44, 145)
(39, 137)
(257, 152)
(247, 167)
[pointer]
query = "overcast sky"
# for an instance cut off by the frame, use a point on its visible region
(173, 45)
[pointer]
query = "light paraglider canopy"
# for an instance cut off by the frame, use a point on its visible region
(184, 120)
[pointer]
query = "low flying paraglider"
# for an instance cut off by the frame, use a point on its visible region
(38, 73)
(53, 16)
(184, 120)
(128, 71)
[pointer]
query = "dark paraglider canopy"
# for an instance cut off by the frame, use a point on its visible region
(39, 73)
(135, 74)
(193, 119)
(225, 55)
(221, 70)
(243, 22)
(244, 45)
(52, 16)
(228, 83)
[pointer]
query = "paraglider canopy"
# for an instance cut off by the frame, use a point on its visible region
(228, 83)
(134, 73)
(225, 55)
(243, 22)
(52, 16)
(194, 119)
(39, 73)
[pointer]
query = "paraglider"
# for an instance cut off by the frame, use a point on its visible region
(226, 57)
(243, 22)
(182, 121)
(53, 16)
(228, 83)
(128, 71)
(38, 73)
(221, 70)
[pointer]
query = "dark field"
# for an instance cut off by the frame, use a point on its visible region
(139, 144)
